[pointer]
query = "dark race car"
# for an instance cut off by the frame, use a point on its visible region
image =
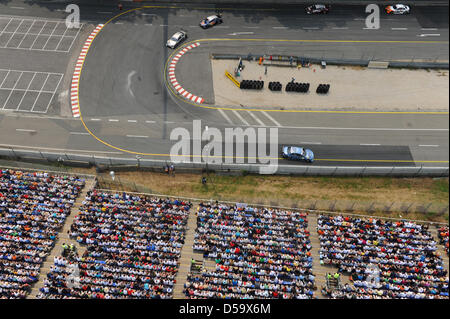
(211, 21)
(318, 9)
(296, 153)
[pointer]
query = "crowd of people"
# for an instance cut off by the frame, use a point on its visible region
(133, 244)
(443, 237)
(33, 208)
(384, 259)
(258, 253)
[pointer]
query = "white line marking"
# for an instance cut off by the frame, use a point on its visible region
(24, 130)
(12, 90)
(150, 122)
(316, 143)
(104, 12)
(225, 116)
(28, 87)
(137, 136)
(132, 121)
(40, 92)
(429, 29)
(240, 33)
(113, 120)
(240, 117)
(95, 120)
(271, 118)
(256, 118)
(51, 34)
(362, 144)
(310, 28)
(279, 27)
(430, 145)
(57, 149)
(79, 133)
(19, 8)
(429, 35)
(340, 28)
(399, 29)
(12, 36)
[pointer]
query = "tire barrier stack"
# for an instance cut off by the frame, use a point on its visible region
(323, 89)
(275, 86)
(252, 85)
(297, 87)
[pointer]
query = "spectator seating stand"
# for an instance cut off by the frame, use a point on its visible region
(63, 239)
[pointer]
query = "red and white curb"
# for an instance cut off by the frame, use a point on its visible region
(173, 79)
(76, 73)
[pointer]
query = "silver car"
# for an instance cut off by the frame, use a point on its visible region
(176, 39)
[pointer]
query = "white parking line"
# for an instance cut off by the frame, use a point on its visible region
(95, 120)
(40, 92)
(399, 29)
(256, 118)
(225, 116)
(240, 117)
(113, 120)
(430, 145)
(137, 136)
(132, 121)
(429, 29)
(340, 28)
(12, 36)
(279, 27)
(310, 28)
(150, 122)
(271, 118)
(362, 144)
(12, 90)
(25, 130)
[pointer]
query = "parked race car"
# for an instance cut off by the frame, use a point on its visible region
(398, 9)
(297, 153)
(176, 39)
(318, 9)
(211, 21)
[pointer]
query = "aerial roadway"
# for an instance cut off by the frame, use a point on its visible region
(127, 106)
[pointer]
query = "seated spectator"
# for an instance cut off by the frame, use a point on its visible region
(259, 253)
(133, 248)
(33, 208)
(385, 259)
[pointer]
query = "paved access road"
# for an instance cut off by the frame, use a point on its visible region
(126, 107)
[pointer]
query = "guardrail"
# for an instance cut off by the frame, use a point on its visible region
(133, 163)
(335, 61)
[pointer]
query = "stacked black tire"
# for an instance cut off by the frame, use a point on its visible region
(252, 85)
(323, 89)
(297, 87)
(275, 86)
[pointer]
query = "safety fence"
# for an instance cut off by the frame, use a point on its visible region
(294, 61)
(133, 163)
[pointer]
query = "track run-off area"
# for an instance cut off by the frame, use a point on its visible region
(128, 107)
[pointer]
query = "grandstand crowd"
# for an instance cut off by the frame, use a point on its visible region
(258, 252)
(133, 247)
(129, 247)
(33, 208)
(385, 259)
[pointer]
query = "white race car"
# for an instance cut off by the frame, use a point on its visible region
(176, 39)
(398, 9)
